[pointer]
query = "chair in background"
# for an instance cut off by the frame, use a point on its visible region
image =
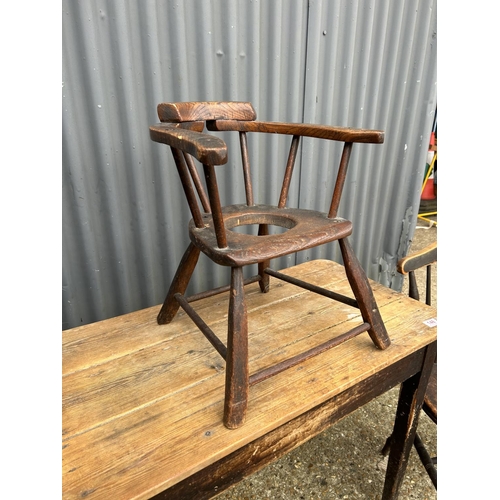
(212, 230)
(407, 266)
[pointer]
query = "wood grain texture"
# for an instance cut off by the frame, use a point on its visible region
(344, 134)
(430, 400)
(416, 260)
(210, 110)
(409, 405)
(204, 147)
(143, 403)
(305, 229)
(268, 448)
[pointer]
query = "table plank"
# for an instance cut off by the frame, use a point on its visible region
(142, 403)
(250, 458)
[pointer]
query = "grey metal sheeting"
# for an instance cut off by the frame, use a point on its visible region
(369, 64)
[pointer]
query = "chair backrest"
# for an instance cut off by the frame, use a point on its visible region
(241, 117)
(178, 112)
(193, 115)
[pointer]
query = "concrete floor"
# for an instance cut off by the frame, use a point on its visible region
(344, 462)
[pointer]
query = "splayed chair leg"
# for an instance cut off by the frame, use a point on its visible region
(179, 284)
(264, 278)
(236, 397)
(364, 296)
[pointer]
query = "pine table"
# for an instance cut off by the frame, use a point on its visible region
(143, 403)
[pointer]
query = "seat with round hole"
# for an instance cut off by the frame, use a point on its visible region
(213, 230)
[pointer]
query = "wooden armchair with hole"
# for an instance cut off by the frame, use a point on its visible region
(422, 259)
(212, 230)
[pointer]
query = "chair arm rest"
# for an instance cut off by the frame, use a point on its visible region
(302, 129)
(416, 260)
(207, 149)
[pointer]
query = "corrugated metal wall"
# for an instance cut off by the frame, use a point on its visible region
(368, 64)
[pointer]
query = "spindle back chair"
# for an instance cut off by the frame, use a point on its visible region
(212, 230)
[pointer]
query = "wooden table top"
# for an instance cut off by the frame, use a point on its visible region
(143, 403)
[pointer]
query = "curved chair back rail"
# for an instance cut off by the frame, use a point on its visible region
(343, 134)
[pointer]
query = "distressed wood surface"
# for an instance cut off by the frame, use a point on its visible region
(143, 403)
(252, 457)
(416, 260)
(344, 134)
(204, 147)
(430, 399)
(210, 110)
(306, 229)
(410, 401)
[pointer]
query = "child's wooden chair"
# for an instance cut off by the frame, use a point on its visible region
(212, 231)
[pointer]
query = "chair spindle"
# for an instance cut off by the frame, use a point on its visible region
(289, 170)
(188, 187)
(339, 183)
(213, 194)
(197, 183)
(246, 169)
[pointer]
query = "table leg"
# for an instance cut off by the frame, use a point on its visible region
(236, 394)
(410, 402)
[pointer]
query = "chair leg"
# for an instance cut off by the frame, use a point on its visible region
(387, 446)
(364, 296)
(264, 278)
(426, 459)
(236, 397)
(179, 284)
